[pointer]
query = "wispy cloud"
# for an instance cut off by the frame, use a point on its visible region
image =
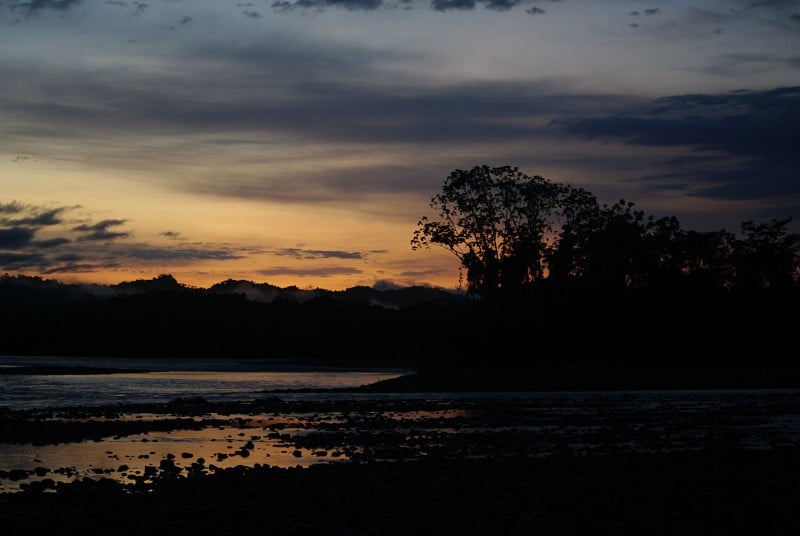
(89, 246)
(101, 230)
(34, 7)
(363, 5)
(30, 215)
(309, 254)
(317, 271)
(441, 6)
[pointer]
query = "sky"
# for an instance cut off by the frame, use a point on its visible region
(299, 142)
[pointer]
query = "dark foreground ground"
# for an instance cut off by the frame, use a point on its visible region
(725, 491)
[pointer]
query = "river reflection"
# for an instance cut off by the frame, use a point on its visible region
(202, 436)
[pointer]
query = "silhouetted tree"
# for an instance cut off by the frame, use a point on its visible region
(612, 245)
(513, 232)
(768, 256)
(496, 221)
(581, 216)
(706, 260)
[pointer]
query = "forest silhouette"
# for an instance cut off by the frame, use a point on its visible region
(572, 291)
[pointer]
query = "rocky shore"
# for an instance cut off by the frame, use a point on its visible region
(709, 492)
(614, 463)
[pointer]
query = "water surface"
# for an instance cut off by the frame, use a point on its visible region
(162, 380)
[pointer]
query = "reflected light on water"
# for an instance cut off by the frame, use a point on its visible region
(124, 458)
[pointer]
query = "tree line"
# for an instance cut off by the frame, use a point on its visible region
(516, 235)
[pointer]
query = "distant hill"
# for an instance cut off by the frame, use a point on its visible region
(234, 318)
(36, 292)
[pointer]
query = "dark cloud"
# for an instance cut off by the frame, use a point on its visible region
(15, 237)
(154, 253)
(13, 207)
(101, 230)
(104, 236)
(19, 261)
(99, 226)
(424, 273)
(171, 235)
(351, 5)
(373, 5)
(321, 271)
(318, 254)
(252, 14)
(97, 246)
(633, 14)
(51, 243)
(502, 5)
(18, 214)
(79, 268)
(652, 11)
(533, 10)
(42, 219)
(35, 7)
(795, 17)
(447, 5)
(758, 131)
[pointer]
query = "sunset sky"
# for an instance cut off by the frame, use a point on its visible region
(298, 142)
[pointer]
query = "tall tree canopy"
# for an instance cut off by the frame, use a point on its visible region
(497, 221)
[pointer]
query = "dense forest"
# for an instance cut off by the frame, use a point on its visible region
(561, 278)
(551, 277)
